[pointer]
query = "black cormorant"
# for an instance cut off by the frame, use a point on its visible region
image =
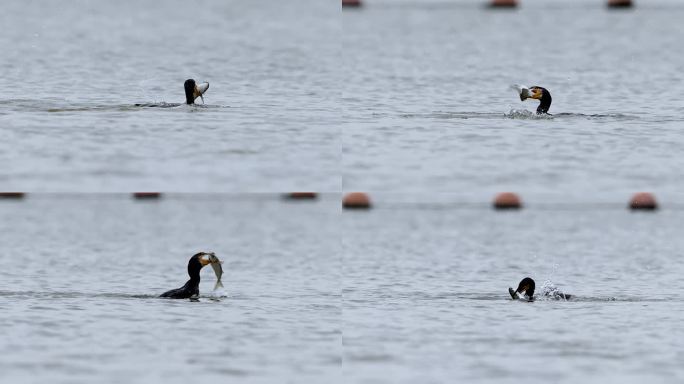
(192, 91)
(191, 288)
(526, 287)
(538, 93)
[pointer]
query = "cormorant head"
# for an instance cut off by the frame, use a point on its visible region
(536, 92)
(527, 286)
(193, 91)
(543, 96)
(198, 261)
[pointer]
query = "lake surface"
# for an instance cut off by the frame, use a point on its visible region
(427, 103)
(426, 301)
(81, 275)
(72, 72)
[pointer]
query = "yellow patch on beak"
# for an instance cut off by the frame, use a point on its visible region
(205, 260)
(535, 93)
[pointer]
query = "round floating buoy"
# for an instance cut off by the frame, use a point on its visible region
(643, 201)
(620, 3)
(507, 200)
(301, 195)
(351, 3)
(146, 195)
(356, 200)
(12, 195)
(503, 4)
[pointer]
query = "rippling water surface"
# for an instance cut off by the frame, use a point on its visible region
(81, 275)
(427, 102)
(72, 72)
(426, 301)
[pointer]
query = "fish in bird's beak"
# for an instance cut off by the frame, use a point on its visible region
(209, 258)
(200, 89)
(218, 269)
(513, 293)
(528, 93)
(523, 92)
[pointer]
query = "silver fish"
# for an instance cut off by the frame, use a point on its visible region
(200, 90)
(514, 294)
(218, 269)
(523, 92)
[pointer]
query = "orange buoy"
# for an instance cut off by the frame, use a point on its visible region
(503, 4)
(643, 201)
(12, 195)
(620, 3)
(507, 200)
(356, 200)
(351, 3)
(146, 195)
(301, 195)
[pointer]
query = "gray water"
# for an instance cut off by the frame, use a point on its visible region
(426, 301)
(72, 72)
(399, 96)
(81, 275)
(427, 104)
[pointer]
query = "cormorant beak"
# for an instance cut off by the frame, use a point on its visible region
(200, 89)
(205, 259)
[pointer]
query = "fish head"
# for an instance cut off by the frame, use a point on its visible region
(524, 94)
(213, 259)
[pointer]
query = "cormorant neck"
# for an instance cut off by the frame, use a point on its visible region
(189, 87)
(544, 103)
(194, 268)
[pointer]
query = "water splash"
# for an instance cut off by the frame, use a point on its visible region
(523, 114)
(549, 291)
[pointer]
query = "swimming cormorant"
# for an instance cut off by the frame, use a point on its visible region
(191, 288)
(526, 287)
(539, 93)
(193, 91)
